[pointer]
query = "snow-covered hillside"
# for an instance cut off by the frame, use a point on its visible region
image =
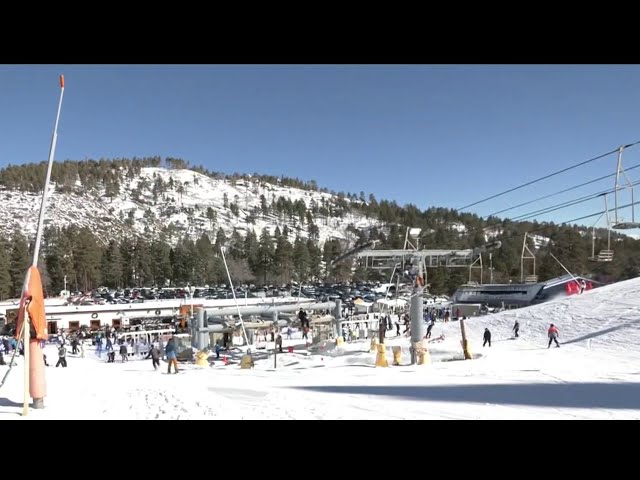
(606, 318)
(184, 204)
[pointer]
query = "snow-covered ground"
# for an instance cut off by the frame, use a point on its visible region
(594, 375)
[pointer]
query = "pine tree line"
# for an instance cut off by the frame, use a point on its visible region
(77, 256)
(81, 257)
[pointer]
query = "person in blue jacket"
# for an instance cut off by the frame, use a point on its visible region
(170, 350)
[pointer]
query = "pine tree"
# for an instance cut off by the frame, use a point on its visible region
(112, 266)
(263, 206)
(327, 257)
(282, 259)
(87, 259)
(6, 285)
(211, 216)
(250, 251)
(182, 262)
(236, 245)
(315, 259)
(142, 262)
(221, 240)
(301, 259)
(18, 263)
(127, 254)
(204, 261)
(266, 251)
(161, 262)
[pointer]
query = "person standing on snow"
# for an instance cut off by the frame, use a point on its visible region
(155, 357)
(123, 352)
(170, 350)
(553, 335)
(516, 328)
(487, 337)
(62, 357)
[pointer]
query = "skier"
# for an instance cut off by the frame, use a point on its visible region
(487, 337)
(553, 335)
(516, 328)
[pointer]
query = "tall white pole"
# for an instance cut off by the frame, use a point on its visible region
(26, 324)
(233, 291)
(45, 194)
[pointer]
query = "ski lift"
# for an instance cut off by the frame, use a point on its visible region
(603, 255)
(620, 224)
(527, 254)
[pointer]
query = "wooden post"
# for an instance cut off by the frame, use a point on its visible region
(465, 343)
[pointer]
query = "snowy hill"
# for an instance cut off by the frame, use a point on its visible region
(606, 318)
(181, 207)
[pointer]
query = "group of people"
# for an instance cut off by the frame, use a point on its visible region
(552, 333)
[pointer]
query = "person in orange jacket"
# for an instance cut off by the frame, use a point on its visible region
(553, 335)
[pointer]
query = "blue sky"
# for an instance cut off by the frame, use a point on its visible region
(428, 135)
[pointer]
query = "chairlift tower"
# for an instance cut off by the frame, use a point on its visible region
(417, 262)
(527, 254)
(619, 223)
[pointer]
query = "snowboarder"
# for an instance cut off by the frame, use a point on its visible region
(553, 335)
(123, 352)
(433, 322)
(487, 337)
(516, 328)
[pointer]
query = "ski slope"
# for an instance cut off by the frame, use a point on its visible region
(594, 375)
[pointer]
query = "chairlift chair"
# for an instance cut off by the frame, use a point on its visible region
(603, 255)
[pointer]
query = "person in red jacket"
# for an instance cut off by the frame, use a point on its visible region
(553, 335)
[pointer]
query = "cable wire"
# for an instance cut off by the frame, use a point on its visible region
(559, 192)
(566, 169)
